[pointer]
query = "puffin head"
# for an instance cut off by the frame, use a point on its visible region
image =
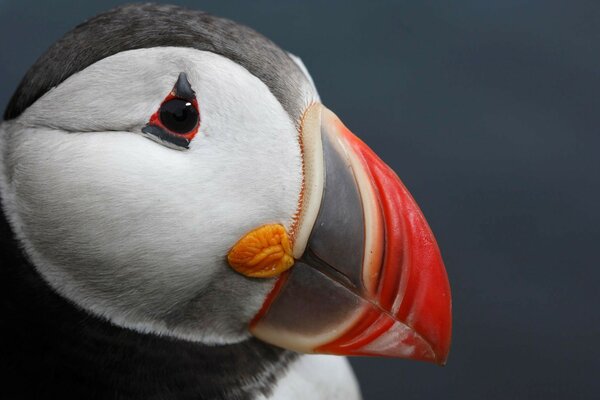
(176, 174)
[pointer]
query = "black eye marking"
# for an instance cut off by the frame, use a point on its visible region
(183, 88)
(177, 120)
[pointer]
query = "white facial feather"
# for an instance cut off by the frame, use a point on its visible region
(317, 377)
(137, 232)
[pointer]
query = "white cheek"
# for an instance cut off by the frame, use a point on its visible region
(111, 220)
(133, 230)
(251, 148)
(137, 232)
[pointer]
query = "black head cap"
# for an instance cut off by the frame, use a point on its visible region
(150, 25)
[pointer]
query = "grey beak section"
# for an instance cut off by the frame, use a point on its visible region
(336, 244)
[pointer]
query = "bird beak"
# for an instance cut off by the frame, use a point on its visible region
(368, 277)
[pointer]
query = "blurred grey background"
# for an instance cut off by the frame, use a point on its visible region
(489, 112)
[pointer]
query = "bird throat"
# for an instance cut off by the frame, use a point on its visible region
(50, 348)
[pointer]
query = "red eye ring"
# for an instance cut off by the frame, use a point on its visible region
(177, 116)
(177, 120)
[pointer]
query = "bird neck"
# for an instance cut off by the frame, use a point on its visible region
(53, 349)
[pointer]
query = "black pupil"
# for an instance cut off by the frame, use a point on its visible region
(179, 116)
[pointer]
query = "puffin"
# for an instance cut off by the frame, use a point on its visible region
(183, 218)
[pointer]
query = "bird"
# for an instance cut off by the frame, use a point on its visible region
(183, 218)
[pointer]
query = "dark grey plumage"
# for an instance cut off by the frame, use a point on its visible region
(149, 25)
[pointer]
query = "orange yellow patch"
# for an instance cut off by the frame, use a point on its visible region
(264, 252)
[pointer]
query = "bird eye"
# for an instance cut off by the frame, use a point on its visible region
(179, 116)
(177, 120)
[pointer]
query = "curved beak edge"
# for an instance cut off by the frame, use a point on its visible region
(371, 280)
